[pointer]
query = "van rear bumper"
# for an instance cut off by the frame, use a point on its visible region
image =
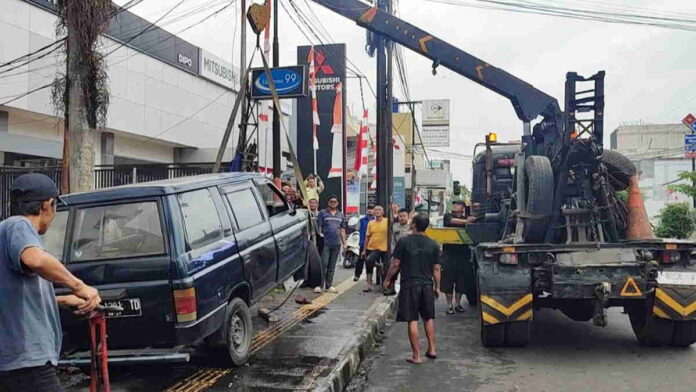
(194, 332)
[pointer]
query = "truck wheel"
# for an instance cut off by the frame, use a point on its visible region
(649, 330)
(620, 168)
(238, 332)
(518, 333)
(491, 335)
(539, 196)
(472, 298)
(684, 333)
(313, 271)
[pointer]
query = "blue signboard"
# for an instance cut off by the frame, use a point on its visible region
(290, 82)
(690, 142)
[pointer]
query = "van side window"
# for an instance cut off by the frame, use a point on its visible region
(117, 231)
(245, 207)
(274, 201)
(55, 238)
(201, 218)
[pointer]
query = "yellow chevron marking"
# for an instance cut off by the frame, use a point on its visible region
(660, 313)
(504, 309)
(630, 289)
(490, 319)
(369, 16)
(667, 300)
(526, 315)
(479, 69)
(422, 42)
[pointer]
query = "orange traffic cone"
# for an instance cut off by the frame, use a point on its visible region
(638, 226)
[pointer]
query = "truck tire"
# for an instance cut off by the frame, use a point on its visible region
(684, 333)
(619, 167)
(539, 197)
(493, 335)
(238, 332)
(313, 272)
(518, 333)
(650, 331)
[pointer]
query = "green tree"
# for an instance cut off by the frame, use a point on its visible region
(677, 220)
(688, 189)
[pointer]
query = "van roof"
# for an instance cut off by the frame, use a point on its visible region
(157, 188)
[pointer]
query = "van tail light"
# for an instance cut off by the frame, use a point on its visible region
(671, 257)
(185, 304)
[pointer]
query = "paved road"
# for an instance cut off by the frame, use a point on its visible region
(564, 356)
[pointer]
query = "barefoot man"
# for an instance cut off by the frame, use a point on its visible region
(418, 259)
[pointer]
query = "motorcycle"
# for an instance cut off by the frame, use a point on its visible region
(352, 252)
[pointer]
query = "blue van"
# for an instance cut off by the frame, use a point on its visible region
(185, 258)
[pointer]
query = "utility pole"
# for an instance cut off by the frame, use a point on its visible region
(385, 149)
(384, 123)
(277, 111)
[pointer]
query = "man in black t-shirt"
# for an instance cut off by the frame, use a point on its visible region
(417, 257)
(455, 258)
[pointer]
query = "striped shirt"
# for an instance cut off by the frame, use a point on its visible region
(330, 226)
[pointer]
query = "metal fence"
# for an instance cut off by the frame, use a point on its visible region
(104, 176)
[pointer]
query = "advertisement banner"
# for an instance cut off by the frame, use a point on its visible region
(329, 75)
(290, 82)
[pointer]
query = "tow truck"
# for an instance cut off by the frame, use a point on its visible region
(557, 236)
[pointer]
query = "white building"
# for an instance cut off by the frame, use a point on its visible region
(657, 150)
(170, 100)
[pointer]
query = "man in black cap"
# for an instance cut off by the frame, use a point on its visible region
(30, 337)
(456, 258)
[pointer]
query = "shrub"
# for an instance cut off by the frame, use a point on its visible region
(677, 220)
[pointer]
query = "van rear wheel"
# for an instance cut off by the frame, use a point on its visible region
(238, 332)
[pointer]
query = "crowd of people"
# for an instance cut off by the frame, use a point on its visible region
(424, 268)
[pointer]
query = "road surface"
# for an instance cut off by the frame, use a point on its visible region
(564, 356)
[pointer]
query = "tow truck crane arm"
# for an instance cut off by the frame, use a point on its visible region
(528, 101)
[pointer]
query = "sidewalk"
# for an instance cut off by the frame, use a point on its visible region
(311, 347)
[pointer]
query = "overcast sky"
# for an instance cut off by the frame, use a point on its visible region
(650, 70)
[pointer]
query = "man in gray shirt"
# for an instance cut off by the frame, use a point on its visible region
(30, 337)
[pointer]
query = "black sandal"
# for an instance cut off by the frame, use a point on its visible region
(459, 308)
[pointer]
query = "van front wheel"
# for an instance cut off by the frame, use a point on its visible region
(238, 332)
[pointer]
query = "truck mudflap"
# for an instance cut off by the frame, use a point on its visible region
(675, 303)
(500, 308)
(506, 298)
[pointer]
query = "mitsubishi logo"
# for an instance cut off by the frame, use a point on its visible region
(319, 60)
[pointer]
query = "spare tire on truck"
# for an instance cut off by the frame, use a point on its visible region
(539, 191)
(620, 169)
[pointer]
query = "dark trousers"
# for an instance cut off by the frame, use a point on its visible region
(374, 259)
(329, 255)
(33, 379)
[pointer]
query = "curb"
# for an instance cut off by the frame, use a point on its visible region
(355, 351)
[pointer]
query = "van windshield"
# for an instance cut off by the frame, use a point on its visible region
(117, 231)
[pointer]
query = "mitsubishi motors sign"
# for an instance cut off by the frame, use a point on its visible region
(218, 70)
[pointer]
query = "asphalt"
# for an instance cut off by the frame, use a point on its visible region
(294, 353)
(564, 355)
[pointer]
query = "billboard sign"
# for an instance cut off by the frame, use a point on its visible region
(690, 146)
(436, 117)
(436, 112)
(436, 135)
(330, 80)
(218, 70)
(290, 82)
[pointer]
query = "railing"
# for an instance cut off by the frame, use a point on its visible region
(104, 176)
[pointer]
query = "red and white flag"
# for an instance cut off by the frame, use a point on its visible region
(337, 131)
(313, 92)
(361, 153)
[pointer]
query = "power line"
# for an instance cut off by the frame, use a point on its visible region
(534, 7)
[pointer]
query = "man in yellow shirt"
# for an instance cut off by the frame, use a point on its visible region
(313, 186)
(376, 247)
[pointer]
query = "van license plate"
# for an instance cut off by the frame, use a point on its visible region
(681, 278)
(131, 308)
